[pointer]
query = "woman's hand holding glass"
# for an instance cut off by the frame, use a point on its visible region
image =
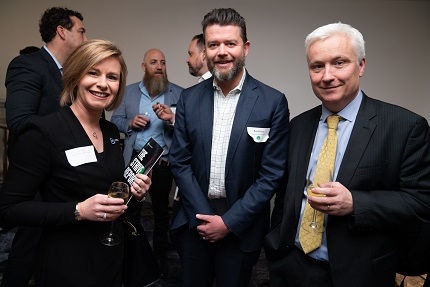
(109, 208)
(101, 207)
(120, 190)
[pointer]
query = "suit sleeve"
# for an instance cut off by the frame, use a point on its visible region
(192, 198)
(29, 169)
(119, 117)
(408, 198)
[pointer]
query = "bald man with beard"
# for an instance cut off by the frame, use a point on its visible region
(147, 111)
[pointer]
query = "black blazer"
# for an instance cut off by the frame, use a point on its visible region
(386, 167)
(69, 251)
(33, 87)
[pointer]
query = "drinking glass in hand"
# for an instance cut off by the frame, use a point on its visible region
(315, 226)
(117, 190)
(148, 116)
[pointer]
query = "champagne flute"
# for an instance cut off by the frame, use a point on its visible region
(117, 189)
(314, 226)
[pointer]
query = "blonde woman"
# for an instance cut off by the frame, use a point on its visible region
(71, 157)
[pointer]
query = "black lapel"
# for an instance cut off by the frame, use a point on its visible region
(361, 133)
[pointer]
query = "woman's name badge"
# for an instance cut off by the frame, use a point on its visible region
(81, 155)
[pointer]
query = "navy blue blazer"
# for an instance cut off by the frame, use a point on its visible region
(386, 167)
(254, 170)
(129, 108)
(33, 87)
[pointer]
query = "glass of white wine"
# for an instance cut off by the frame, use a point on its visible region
(117, 189)
(314, 226)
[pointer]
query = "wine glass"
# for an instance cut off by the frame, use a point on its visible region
(117, 189)
(314, 226)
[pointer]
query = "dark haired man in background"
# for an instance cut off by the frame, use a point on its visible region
(196, 59)
(33, 81)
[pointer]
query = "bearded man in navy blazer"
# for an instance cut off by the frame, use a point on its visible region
(380, 182)
(228, 158)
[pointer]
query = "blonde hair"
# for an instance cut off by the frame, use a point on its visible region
(82, 60)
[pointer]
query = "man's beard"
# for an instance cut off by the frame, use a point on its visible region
(155, 85)
(238, 65)
(194, 71)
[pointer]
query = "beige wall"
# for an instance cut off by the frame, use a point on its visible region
(397, 34)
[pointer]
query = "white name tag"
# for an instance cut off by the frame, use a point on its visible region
(258, 134)
(81, 155)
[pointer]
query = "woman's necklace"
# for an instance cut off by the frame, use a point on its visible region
(85, 126)
(89, 132)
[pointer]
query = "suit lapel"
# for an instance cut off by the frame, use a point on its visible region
(358, 141)
(135, 100)
(245, 105)
(300, 155)
(53, 69)
(206, 117)
(168, 96)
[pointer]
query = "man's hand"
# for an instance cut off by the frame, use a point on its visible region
(164, 112)
(139, 122)
(332, 198)
(212, 227)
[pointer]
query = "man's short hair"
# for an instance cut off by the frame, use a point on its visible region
(200, 41)
(225, 17)
(54, 17)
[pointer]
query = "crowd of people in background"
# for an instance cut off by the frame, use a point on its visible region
(345, 175)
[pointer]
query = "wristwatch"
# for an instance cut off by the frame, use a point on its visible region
(77, 213)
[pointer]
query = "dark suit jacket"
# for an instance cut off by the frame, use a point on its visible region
(253, 172)
(38, 161)
(129, 108)
(386, 167)
(34, 85)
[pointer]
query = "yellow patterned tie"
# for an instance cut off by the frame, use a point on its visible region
(310, 237)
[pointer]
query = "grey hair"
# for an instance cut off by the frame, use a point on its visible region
(323, 32)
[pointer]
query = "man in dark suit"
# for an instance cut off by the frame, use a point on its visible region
(228, 158)
(33, 88)
(380, 181)
(33, 81)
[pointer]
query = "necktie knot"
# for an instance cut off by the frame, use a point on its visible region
(333, 121)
